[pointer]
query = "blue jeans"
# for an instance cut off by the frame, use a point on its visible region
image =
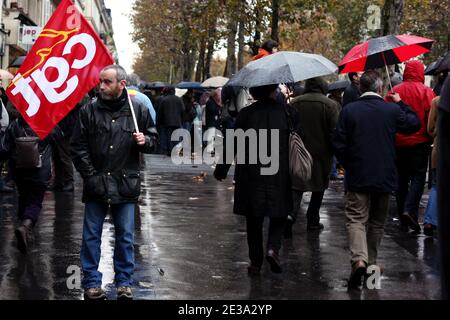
(431, 212)
(94, 216)
(187, 126)
(166, 139)
(333, 172)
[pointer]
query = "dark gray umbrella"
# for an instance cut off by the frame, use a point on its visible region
(338, 85)
(444, 64)
(157, 85)
(282, 67)
(298, 90)
(17, 62)
(432, 67)
(189, 85)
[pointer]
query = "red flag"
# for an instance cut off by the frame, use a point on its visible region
(62, 66)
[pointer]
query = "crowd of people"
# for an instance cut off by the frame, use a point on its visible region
(380, 139)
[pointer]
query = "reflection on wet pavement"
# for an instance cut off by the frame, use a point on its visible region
(188, 245)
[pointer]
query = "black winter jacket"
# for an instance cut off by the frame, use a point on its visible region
(364, 142)
(351, 94)
(105, 153)
(170, 111)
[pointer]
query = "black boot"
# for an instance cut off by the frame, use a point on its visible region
(274, 261)
(23, 235)
(413, 221)
(288, 227)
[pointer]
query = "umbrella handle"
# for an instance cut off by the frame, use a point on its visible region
(387, 71)
(389, 77)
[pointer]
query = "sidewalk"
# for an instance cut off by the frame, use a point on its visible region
(189, 245)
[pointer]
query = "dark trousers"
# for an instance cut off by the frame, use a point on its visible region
(30, 200)
(62, 163)
(8, 179)
(312, 215)
(255, 237)
(166, 142)
(412, 165)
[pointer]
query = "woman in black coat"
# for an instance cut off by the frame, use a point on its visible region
(256, 195)
(31, 182)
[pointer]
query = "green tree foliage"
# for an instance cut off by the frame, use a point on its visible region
(169, 33)
(178, 37)
(429, 19)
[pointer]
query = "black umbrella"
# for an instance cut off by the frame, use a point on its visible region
(189, 85)
(17, 62)
(157, 85)
(338, 85)
(432, 67)
(444, 65)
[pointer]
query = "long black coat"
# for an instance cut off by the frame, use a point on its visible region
(212, 114)
(170, 111)
(105, 153)
(256, 194)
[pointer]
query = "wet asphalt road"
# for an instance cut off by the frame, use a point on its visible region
(188, 245)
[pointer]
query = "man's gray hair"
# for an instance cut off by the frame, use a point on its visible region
(370, 81)
(133, 80)
(120, 71)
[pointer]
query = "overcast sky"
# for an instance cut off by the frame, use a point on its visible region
(120, 11)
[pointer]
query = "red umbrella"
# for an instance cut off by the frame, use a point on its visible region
(383, 51)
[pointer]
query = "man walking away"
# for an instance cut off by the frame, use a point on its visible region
(170, 118)
(413, 150)
(318, 117)
(364, 143)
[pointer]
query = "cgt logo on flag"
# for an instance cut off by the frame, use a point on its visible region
(63, 65)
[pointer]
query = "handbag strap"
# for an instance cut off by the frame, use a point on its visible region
(22, 128)
(289, 118)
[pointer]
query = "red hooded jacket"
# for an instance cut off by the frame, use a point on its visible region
(418, 96)
(261, 54)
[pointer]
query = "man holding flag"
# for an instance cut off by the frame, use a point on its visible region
(105, 150)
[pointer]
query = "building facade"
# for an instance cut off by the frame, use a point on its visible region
(19, 15)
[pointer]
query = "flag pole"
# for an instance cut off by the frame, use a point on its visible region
(132, 111)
